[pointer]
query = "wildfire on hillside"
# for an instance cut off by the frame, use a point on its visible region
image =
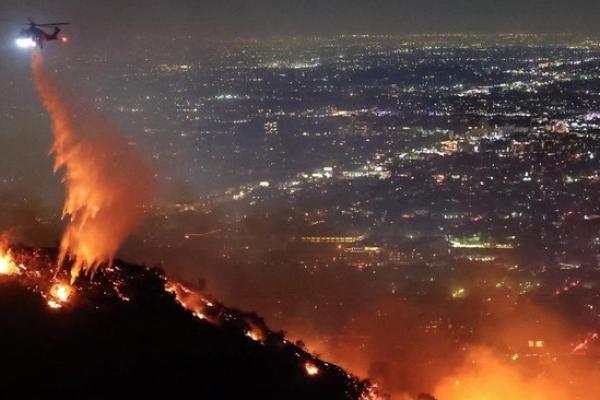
(37, 275)
(254, 328)
(35, 269)
(191, 300)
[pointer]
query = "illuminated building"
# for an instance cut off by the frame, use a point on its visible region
(271, 128)
(332, 239)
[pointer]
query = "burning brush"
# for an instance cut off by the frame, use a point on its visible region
(37, 275)
(124, 288)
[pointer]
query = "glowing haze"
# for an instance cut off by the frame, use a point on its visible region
(107, 183)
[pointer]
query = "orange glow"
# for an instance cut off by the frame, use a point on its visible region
(107, 183)
(7, 264)
(580, 347)
(255, 332)
(371, 393)
(253, 335)
(59, 294)
(311, 369)
(54, 304)
(200, 315)
(489, 377)
(191, 300)
(61, 291)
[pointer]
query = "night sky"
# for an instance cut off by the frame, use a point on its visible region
(101, 25)
(267, 17)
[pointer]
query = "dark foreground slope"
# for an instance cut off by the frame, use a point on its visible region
(123, 335)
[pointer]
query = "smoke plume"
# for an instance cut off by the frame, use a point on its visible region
(107, 183)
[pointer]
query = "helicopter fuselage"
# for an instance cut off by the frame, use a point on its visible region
(37, 36)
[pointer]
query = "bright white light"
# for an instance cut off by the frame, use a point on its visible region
(25, 43)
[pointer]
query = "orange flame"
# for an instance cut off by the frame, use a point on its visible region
(107, 183)
(255, 335)
(189, 299)
(61, 291)
(59, 294)
(311, 369)
(7, 264)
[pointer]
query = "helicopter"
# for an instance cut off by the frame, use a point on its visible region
(35, 36)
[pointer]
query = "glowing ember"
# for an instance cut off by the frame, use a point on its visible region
(54, 304)
(311, 369)
(371, 393)
(255, 332)
(191, 300)
(7, 264)
(253, 335)
(200, 315)
(59, 293)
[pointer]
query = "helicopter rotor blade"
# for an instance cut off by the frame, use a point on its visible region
(54, 24)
